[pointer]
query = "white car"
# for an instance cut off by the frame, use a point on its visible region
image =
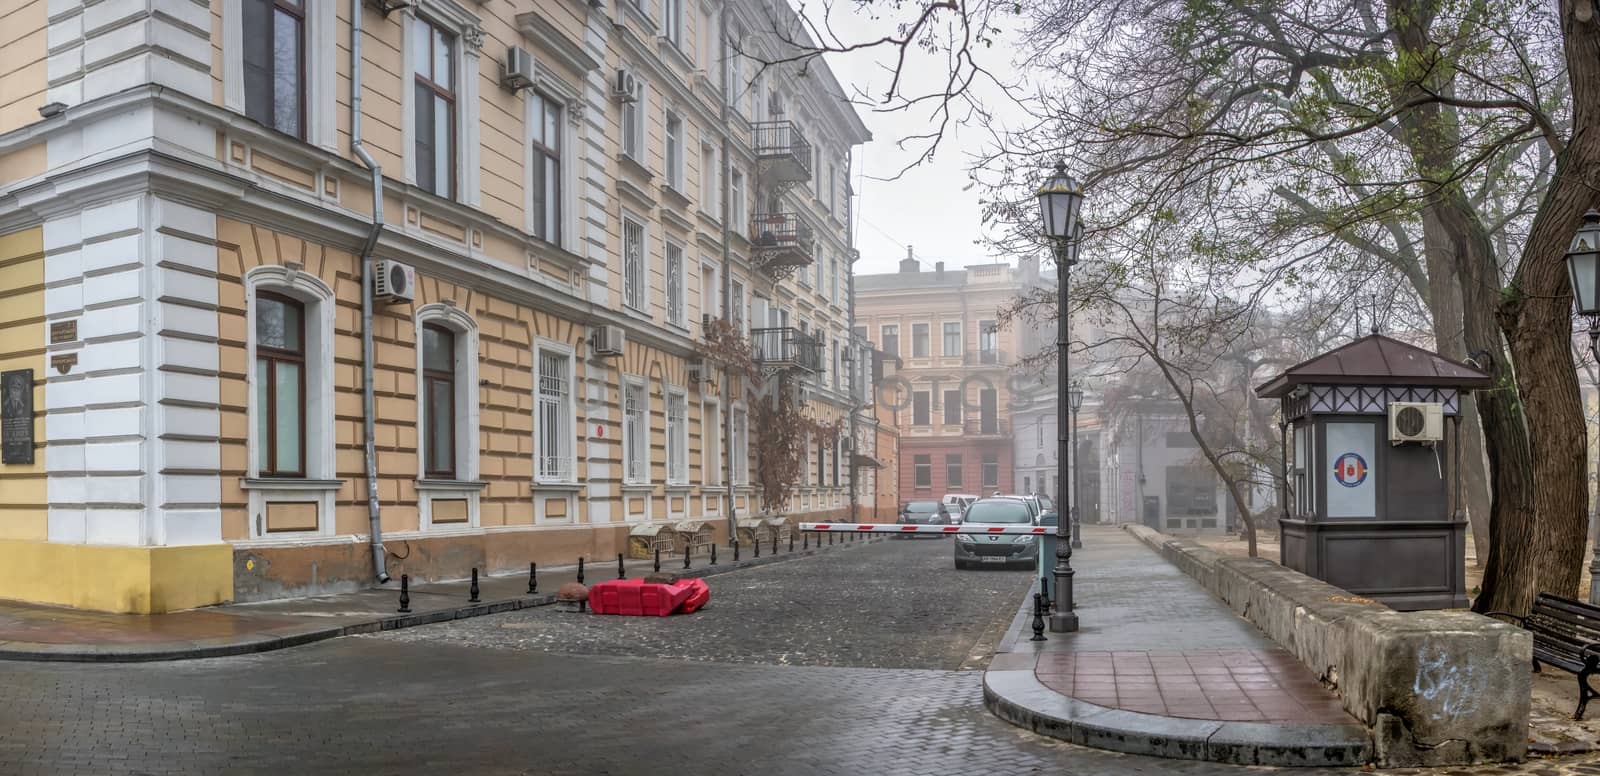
(956, 504)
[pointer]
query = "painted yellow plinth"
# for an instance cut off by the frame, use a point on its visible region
(134, 580)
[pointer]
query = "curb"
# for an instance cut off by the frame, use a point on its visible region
(1017, 696)
(267, 642)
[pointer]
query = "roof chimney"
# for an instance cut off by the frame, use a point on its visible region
(938, 269)
(909, 263)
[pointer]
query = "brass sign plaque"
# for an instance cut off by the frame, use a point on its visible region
(64, 331)
(64, 362)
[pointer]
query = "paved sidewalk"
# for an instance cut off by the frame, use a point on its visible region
(1160, 667)
(33, 632)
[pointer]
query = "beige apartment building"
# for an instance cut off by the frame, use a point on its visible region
(297, 294)
(951, 397)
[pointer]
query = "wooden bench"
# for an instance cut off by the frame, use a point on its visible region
(1566, 634)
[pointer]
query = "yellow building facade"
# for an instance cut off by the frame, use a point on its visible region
(421, 291)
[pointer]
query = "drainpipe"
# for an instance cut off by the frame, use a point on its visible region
(727, 288)
(379, 566)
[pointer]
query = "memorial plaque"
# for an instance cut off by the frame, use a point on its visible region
(16, 416)
(64, 362)
(64, 331)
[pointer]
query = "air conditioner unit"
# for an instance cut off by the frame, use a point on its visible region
(706, 320)
(393, 282)
(698, 372)
(1416, 422)
(626, 87)
(517, 71)
(607, 340)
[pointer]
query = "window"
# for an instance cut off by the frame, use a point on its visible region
(736, 304)
(922, 466)
(736, 204)
(1191, 490)
(988, 338)
(741, 447)
(274, 64)
(546, 168)
(677, 438)
(832, 199)
(988, 411)
(433, 62)
(711, 443)
(952, 408)
(1027, 484)
(633, 277)
(710, 291)
(919, 340)
(952, 339)
(1039, 432)
(822, 463)
(672, 21)
(838, 450)
(710, 193)
(280, 330)
(833, 279)
(919, 408)
(731, 86)
(633, 129)
(890, 337)
(635, 434)
(674, 151)
(439, 398)
(675, 301)
(556, 435)
(708, 39)
(816, 264)
(991, 470)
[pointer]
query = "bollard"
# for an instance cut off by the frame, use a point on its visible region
(580, 569)
(1044, 591)
(658, 560)
(713, 554)
(757, 544)
(774, 543)
(735, 552)
(474, 589)
(405, 593)
(686, 556)
(1038, 618)
(533, 578)
(830, 538)
(622, 571)
(791, 541)
(805, 542)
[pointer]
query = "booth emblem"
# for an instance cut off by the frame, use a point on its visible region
(1350, 470)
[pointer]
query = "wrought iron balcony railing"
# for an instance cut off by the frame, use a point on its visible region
(782, 152)
(782, 243)
(786, 347)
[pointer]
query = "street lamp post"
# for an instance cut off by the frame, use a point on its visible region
(1075, 395)
(1060, 199)
(1583, 268)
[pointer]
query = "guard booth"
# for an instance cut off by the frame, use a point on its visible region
(1371, 460)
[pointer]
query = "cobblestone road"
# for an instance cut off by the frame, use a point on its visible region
(477, 698)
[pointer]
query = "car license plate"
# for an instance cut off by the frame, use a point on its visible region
(995, 559)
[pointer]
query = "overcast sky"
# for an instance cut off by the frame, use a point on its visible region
(927, 207)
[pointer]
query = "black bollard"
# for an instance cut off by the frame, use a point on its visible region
(622, 571)
(830, 538)
(805, 541)
(713, 554)
(775, 543)
(735, 552)
(758, 547)
(658, 560)
(533, 578)
(474, 589)
(791, 541)
(1044, 591)
(405, 593)
(1038, 618)
(686, 556)
(580, 569)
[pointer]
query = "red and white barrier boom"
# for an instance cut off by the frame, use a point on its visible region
(898, 528)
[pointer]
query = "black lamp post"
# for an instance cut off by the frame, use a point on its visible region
(1075, 396)
(1060, 199)
(1583, 268)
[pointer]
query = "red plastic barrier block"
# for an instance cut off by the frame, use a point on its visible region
(617, 596)
(635, 597)
(699, 594)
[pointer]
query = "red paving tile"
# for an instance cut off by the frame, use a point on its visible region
(1229, 685)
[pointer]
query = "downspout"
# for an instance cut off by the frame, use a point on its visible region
(379, 566)
(856, 373)
(727, 289)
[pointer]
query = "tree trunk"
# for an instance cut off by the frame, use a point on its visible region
(1537, 318)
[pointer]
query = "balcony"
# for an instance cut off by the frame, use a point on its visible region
(986, 427)
(786, 348)
(782, 243)
(783, 156)
(987, 357)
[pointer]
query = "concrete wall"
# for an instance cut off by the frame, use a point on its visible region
(1434, 688)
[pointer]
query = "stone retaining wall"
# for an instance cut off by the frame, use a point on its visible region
(1434, 688)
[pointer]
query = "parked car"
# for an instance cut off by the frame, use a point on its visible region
(1035, 506)
(997, 549)
(924, 513)
(956, 504)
